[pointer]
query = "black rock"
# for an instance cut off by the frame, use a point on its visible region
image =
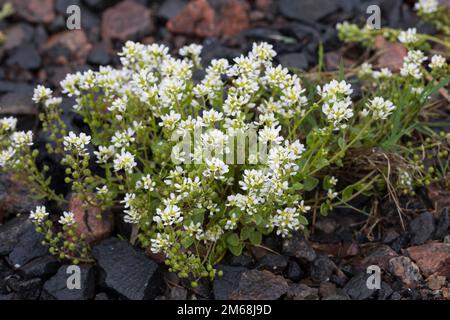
(322, 268)
(17, 35)
(127, 271)
(385, 292)
(396, 296)
(421, 228)
(401, 242)
(244, 260)
(25, 56)
(62, 5)
(18, 103)
(294, 272)
(57, 286)
(294, 60)
(299, 248)
(272, 262)
(357, 289)
(10, 86)
(223, 286)
(101, 296)
(41, 267)
(27, 248)
(170, 8)
(11, 232)
(390, 236)
(307, 10)
(26, 289)
(98, 55)
(178, 293)
(442, 225)
(337, 297)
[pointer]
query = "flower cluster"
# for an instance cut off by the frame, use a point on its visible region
(202, 167)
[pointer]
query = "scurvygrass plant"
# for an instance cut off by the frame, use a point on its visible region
(205, 167)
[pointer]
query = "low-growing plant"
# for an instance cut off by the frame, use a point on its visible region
(6, 10)
(306, 147)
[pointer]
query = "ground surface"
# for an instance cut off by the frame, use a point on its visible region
(331, 264)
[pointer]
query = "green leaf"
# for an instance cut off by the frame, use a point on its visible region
(322, 163)
(347, 193)
(310, 183)
(257, 219)
(326, 182)
(303, 220)
(255, 237)
(187, 242)
(233, 240)
(236, 250)
(245, 232)
(297, 186)
(324, 209)
(341, 143)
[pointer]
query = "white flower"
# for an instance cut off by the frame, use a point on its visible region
(161, 243)
(22, 139)
(76, 143)
(335, 89)
(41, 94)
(6, 156)
(384, 73)
(55, 101)
(412, 70)
(104, 153)
(331, 194)
(365, 69)
(39, 214)
(8, 123)
(409, 36)
(302, 208)
(124, 161)
(271, 134)
(103, 190)
(215, 168)
(379, 107)
(212, 116)
(426, 6)
(333, 181)
(146, 183)
(123, 138)
(194, 230)
(285, 221)
(192, 51)
(170, 120)
(67, 218)
(337, 112)
(437, 62)
(119, 106)
(169, 216)
(262, 51)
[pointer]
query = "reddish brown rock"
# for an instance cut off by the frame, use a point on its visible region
(198, 18)
(15, 197)
(380, 256)
(406, 270)
(436, 282)
(87, 220)
(260, 285)
(234, 17)
(390, 54)
(432, 258)
(439, 197)
(126, 20)
(36, 11)
(327, 289)
(75, 41)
